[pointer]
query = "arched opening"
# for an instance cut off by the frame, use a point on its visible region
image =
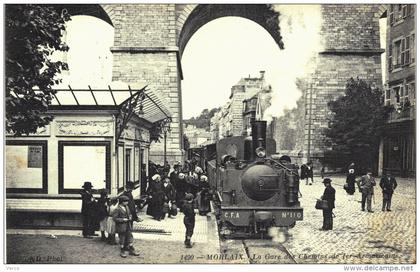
(263, 14)
(224, 53)
(89, 57)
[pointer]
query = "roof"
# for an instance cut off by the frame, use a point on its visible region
(150, 105)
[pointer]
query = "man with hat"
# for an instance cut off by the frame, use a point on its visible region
(189, 218)
(366, 184)
(329, 196)
(129, 186)
(173, 176)
(87, 210)
(388, 185)
(123, 226)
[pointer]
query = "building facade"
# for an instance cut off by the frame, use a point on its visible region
(398, 147)
(248, 100)
(106, 144)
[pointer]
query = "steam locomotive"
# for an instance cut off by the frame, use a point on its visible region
(253, 192)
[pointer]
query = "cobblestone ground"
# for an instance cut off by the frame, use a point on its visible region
(157, 242)
(358, 237)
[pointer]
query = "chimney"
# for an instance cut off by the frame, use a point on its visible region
(262, 74)
(258, 135)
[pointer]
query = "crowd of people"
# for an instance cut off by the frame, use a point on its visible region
(185, 188)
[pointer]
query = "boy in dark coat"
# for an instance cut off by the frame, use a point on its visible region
(329, 196)
(129, 186)
(189, 218)
(123, 226)
(169, 192)
(87, 210)
(388, 185)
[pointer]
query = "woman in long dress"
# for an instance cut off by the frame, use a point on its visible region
(351, 179)
(204, 196)
(157, 198)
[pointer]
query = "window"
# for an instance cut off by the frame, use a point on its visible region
(387, 96)
(391, 15)
(413, 92)
(397, 94)
(80, 161)
(120, 179)
(390, 64)
(412, 48)
(26, 166)
(396, 59)
(404, 11)
(406, 50)
(137, 164)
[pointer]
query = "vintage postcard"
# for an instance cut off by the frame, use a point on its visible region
(229, 133)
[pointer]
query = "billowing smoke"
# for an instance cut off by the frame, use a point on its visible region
(300, 27)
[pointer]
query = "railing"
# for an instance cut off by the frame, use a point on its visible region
(404, 114)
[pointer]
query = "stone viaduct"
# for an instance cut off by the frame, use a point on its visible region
(149, 40)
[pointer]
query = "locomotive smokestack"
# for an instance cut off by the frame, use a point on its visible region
(259, 134)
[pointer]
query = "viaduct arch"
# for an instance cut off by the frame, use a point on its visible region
(149, 41)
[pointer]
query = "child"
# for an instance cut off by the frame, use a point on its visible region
(169, 191)
(103, 213)
(110, 221)
(123, 225)
(189, 218)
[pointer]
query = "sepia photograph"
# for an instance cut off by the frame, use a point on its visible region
(226, 133)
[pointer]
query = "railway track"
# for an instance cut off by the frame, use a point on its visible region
(256, 251)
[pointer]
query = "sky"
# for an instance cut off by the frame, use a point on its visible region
(218, 55)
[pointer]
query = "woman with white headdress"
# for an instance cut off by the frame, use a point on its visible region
(157, 198)
(204, 196)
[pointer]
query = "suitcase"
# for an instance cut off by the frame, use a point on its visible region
(321, 204)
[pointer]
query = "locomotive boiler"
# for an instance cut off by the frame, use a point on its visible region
(252, 191)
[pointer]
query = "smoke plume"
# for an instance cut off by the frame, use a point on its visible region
(300, 27)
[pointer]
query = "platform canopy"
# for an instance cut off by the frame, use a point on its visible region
(141, 100)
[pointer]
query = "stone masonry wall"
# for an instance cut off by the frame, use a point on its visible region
(145, 52)
(350, 26)
(328, 83)
(350, 35)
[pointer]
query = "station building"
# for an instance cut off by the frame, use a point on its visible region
(97, 135)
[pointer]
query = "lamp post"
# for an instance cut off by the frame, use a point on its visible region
(166, 127)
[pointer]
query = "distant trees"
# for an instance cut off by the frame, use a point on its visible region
(32, 34)
(203, 120)
(357, 123)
